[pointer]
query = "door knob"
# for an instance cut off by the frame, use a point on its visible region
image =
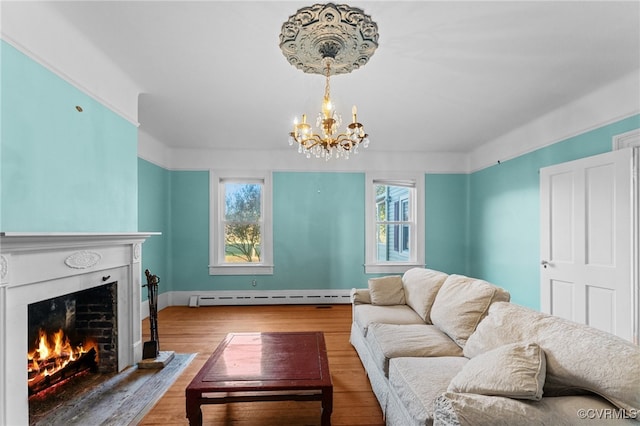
(545, 263)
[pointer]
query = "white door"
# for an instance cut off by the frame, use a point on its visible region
(587, 243)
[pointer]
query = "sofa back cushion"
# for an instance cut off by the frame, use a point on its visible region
(386, 291)
(578, 356)
(420, 288)
(461, 303)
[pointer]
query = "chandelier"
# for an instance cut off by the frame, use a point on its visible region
(328, 39)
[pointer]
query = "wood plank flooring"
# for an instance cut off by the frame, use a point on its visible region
(199, 330)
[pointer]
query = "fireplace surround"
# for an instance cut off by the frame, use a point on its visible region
(39, 266)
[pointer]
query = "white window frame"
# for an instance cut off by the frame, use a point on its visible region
(217, 266)
(416, 237)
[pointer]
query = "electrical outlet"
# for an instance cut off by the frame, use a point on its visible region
(254, 283)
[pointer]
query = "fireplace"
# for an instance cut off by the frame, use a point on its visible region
(71, 334)
(39, 267)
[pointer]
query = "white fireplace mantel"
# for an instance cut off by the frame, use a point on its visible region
(39, 266)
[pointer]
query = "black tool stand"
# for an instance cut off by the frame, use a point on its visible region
(152, 357)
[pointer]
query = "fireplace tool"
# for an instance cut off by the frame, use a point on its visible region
(151, 349)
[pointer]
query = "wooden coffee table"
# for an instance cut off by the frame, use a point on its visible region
(248, 367)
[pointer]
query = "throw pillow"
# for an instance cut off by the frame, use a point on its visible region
(420, 288)
(515, 371)
(461, 303)
(386, 290)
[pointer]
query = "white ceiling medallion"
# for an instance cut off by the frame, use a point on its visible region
(342, 32)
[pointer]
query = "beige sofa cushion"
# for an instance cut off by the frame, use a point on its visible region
(578, 356)
(417, 382)
(365, 315)
(461, 303)
(387, 341)
(468, 409)
(360, 295)
(514, 371)
(386, 290)
(420, 288)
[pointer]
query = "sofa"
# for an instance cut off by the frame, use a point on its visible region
(442, 349)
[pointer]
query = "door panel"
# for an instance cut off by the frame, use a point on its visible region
(561, 209)
(586, 241)
(601, 308)
(561, 291)
(600, 215)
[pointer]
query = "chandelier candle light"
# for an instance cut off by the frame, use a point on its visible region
(330, 143)
(329, 39)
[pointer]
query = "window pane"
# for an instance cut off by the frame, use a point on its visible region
(381, 210)
(381, 203)
(242, 215)
(405, 238)
(381, 245)
(393, 222)
(381, 235)
(396, 237)
(242, 242)
(242, 202)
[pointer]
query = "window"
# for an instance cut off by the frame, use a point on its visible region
(240, 208)
(394, 223)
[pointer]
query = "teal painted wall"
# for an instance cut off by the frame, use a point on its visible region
(190, 230)
(504, 212)
(318, 232)
(447, 222)
(62, 170)
(318, 228)
(485, 224)
(154, 214)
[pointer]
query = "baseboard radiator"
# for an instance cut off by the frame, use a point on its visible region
(270, 297)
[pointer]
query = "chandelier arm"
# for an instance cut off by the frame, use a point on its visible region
(346, 142)
(310, 142)
(342, 140)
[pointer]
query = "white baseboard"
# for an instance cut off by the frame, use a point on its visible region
(250, 297)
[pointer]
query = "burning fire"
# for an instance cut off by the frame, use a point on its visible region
(52, 353)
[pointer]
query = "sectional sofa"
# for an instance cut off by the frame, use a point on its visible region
(452, 350)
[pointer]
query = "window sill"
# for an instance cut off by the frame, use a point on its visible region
(393, 268)
(241, 269)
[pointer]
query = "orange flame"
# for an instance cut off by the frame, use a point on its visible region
(53, 353)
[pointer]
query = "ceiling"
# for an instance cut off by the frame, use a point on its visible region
(446, 77)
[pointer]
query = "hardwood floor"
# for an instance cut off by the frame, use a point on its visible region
(199, 330)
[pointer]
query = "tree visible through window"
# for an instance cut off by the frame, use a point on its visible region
(240, 212)
(242, 222)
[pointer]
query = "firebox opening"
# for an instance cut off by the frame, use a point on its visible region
(71, 335)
